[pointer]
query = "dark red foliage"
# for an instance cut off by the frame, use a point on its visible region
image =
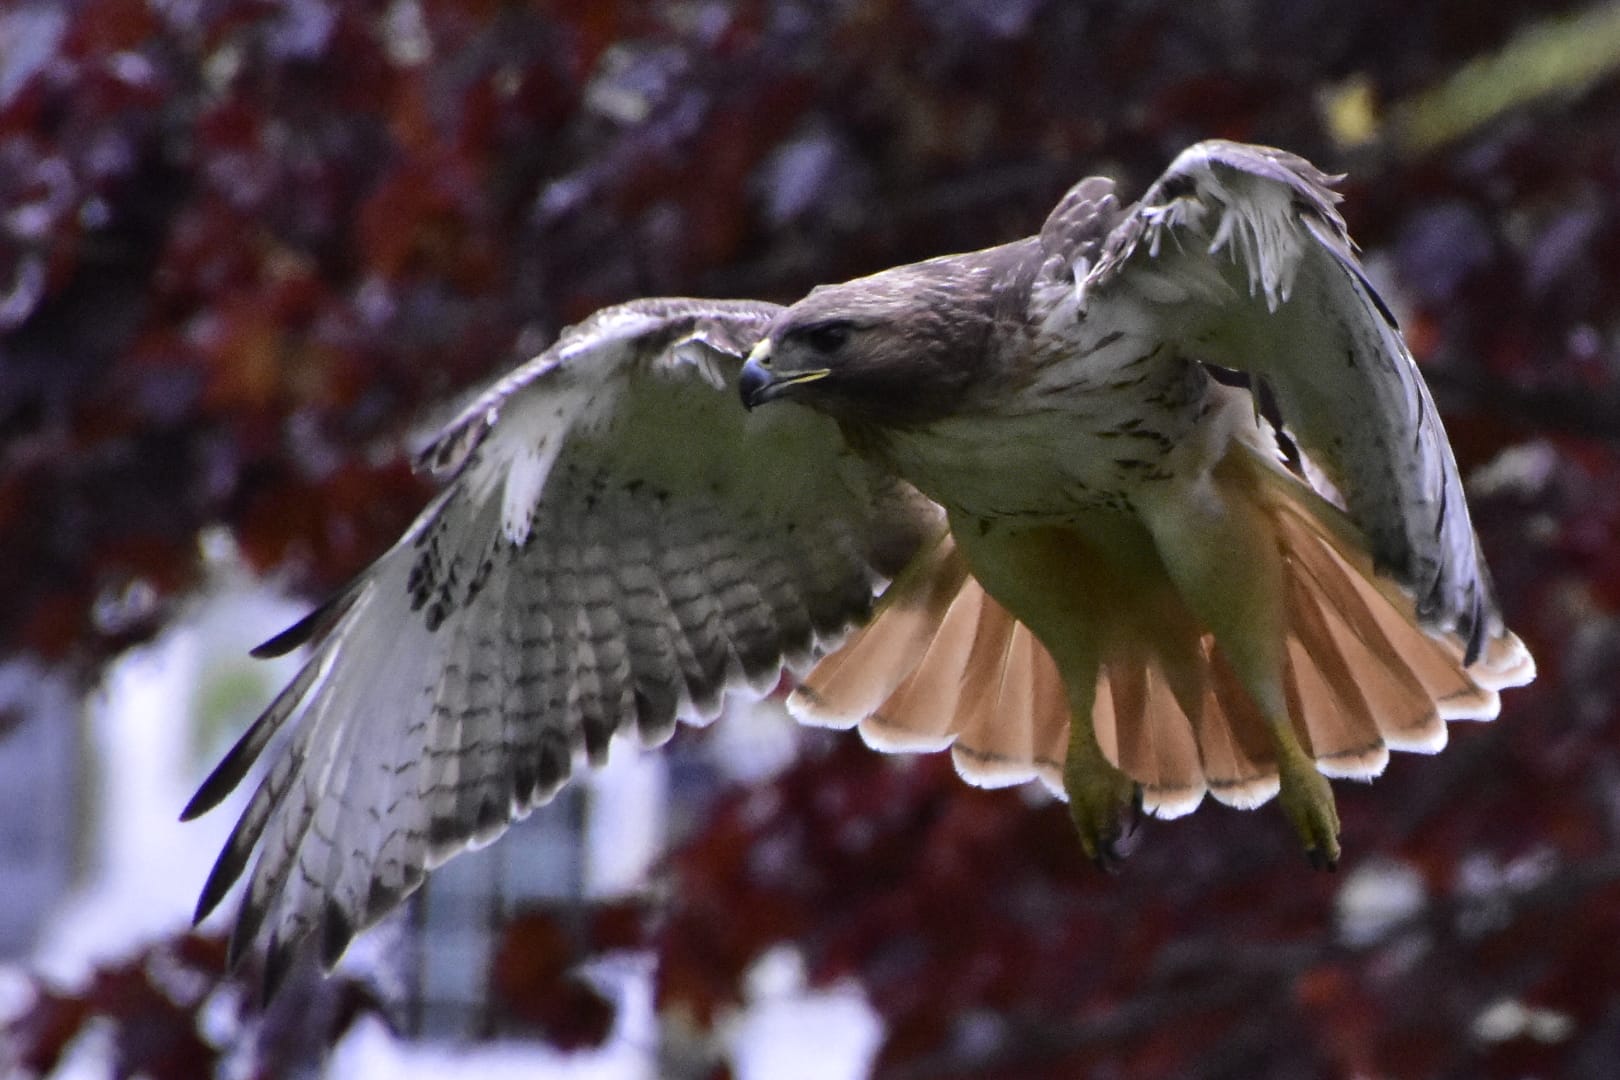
(243, 247)
(535, 978)
(154, 1003)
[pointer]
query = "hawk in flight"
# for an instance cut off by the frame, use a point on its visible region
(1151, 505)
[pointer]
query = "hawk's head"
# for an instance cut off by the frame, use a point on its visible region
(895, 349)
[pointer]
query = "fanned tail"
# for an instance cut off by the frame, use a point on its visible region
(944, 665)
(1360, 661)
(851, 683)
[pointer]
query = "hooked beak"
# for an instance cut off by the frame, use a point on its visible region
(757, 383)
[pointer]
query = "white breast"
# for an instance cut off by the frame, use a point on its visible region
(1091, 428)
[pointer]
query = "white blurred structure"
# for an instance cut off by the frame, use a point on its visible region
(39, 788)
(164, 714)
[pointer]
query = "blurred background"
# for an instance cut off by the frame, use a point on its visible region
(251, 251)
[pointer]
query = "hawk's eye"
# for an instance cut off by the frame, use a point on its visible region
(827, 337)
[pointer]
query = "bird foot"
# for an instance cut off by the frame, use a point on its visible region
(1307, 800)
(1104, 805)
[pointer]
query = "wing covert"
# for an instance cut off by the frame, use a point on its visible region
(618, 544)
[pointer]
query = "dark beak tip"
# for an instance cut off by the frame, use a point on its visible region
(752, 382)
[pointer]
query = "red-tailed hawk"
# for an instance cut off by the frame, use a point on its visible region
(1166, 506)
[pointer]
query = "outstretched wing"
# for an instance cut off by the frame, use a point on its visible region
(618, 543)
(1245, 251)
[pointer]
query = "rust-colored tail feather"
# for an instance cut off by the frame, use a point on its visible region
(943, 664)
(851, 683)
(1240, 765)
(918, 716)
(1154, 737)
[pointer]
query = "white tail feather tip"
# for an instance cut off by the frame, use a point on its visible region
(989, 772)
(1354, 765)
(1247, 794)
(1420, 739)
(893, 740)
(810, 711)
(1169, 803)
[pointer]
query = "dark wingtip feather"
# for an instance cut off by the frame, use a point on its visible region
(656, 703)
(290, 638)
(278, 958)
(445, 834)
(337, 930)
(412, 879)
(234, 766)
(310, 627)
(227, 868)
(493, 816)
(248, 921)
(209, 795)
(226, 775)
(381, 899)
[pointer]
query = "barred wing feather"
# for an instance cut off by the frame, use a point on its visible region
(618, 544)
(1246, 251)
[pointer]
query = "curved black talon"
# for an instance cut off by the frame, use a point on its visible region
(1320, 860)
(1104, 805)
(1133, 818)
(1109, 859)
(1116, 845)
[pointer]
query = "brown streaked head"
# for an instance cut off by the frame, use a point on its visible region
(896, 349)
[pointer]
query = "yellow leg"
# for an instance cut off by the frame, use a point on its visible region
(1070, 588)
(1102, 799)
(1307, 800)
(1220, 549)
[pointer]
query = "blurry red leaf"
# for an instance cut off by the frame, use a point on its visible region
(246, 361)
(43, 1032)
(622, 924)
(56, 623)
(1347, 1021)
(534, 980)
(103, 27)
(416, 220)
